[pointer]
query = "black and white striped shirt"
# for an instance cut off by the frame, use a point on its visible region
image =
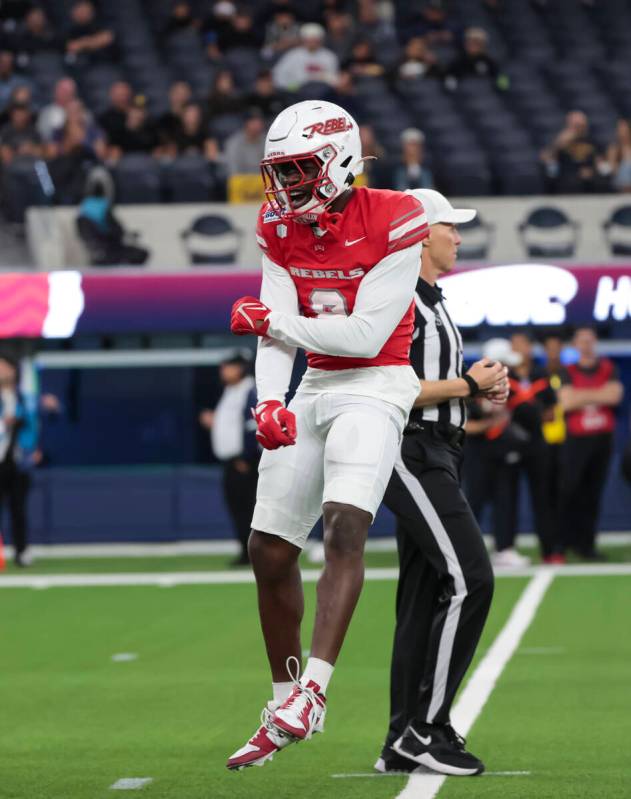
(436, 353)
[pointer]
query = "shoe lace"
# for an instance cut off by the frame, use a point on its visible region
(454, 737)
(301, 693)
(276, 735)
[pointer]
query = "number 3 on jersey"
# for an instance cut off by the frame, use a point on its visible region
(324, 302)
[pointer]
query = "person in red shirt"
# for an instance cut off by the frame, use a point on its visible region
(590, 392)
(340, 266)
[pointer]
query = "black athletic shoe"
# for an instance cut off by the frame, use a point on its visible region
(392, 763)
(439, 748)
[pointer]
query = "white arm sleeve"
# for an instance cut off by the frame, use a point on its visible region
(383, 297)
(274, 359)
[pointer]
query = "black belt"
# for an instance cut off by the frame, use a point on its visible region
(441, 431)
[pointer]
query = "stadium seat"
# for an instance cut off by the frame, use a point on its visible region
(137, 179)
(188, 180)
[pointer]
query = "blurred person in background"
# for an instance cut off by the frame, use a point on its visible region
(619, 157)
(474, 60)
(9, 81)
(243, 150)
(428, 20)
(224, 96)
(310, 62)
(239, 32)
(169, 124)
(52, 117)
(554, 433)
(492, 449)
(138, 135)
(282, 32)
(89, 41)
(531, 401)
(36, 36)
(72, 163)
(233, 441)
(418, 61)
(192, 137)
(265, 96)
(19, 137)
(114, 118)
(412, 171)
(340, 33)
(572, 162)
(77, 115)
(107, 241)
(18, 453)
(362, 62)
(590, 393)
(181, 18)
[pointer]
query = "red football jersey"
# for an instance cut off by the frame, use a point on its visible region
(328, 269)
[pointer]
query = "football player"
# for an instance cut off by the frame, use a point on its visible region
(340, 266)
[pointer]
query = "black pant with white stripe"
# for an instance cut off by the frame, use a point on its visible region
(445, 582)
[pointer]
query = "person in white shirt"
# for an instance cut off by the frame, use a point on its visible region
(311, 62)
(233, 441)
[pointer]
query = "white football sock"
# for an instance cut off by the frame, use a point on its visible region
(319, 671)
(282, 690)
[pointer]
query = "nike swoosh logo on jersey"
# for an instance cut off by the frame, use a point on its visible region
(348, 243)
(425, 741)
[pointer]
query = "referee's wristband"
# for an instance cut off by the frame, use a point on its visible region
(474, 388)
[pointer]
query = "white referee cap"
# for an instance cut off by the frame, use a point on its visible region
(438, 208)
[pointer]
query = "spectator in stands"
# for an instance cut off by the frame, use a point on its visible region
(376, 171)
(224, 97)
(18, 453)
(340, 33)
(89, 41)
(114, 118)
(52, 117)
(572, 162)
(619, 156)
(219, 21)
(36, 37)
(169, 125)
(431, 22)
(345, 94)
(19, 136)
(282, 33)
(105, 238)
(474, 61)
(192, 137)
(412, 172)
(244, 149)
(590, 393)
(80, 118)
(21, 95)
(71, 166)
(266, 97)
(233, 440)
(9, 81)
(371, 22)
(418, 61)
(362, 62)
(138, 134)
(180, 19)
(240, 32)
(311, 62)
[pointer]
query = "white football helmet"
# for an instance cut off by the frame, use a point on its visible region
(312, 155)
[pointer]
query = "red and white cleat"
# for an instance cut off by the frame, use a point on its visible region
(303, 712)
(263, 745)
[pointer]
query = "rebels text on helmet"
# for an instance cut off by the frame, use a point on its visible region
(335, 125)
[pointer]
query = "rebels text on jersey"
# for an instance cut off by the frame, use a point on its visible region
(327, 269)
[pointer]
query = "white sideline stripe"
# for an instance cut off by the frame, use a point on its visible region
(179, 548)
(172, 579)
(131, 783)
(370, 774)
(479, 687)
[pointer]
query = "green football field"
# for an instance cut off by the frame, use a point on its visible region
(99, 684)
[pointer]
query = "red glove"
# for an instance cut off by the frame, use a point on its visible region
(249, 315)
(276, 426)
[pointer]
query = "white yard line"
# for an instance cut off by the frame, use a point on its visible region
(479, 687)
(171, 579)
(131, 783)
(226, 547)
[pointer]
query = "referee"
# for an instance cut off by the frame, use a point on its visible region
(446, 581)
